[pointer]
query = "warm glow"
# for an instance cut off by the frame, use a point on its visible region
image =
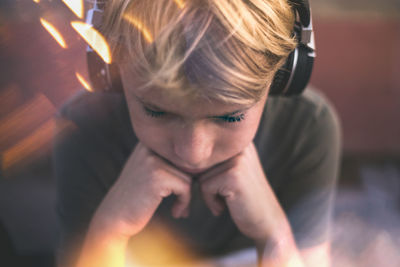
(295, 262)
(84, 82)
(28, 148)
(76, 6)
(53, 31)
(94, 39)
(157, 239)
(139, 25)
(180, 3)
(36, 1)
(23, 117)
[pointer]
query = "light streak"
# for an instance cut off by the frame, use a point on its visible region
(94, 39)
(84, 82)
(28, 148)
(76, 7)
(11, 96)
(24, 119)
(140, 26)
(180, 3)
(54, 32)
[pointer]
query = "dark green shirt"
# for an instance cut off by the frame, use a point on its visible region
(298, 141)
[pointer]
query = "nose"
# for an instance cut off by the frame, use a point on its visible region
(193, 145)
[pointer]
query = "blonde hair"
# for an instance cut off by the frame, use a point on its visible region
(226, 50)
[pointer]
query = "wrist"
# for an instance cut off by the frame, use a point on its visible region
(103, 227)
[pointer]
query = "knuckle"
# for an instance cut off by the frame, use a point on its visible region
(228, 192)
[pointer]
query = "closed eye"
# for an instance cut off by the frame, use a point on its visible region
(153, 113)
(223, 119)
(232, 119)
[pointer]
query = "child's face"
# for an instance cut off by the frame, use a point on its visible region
(193, 135)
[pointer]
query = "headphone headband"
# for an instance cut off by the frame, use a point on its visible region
(303, 8)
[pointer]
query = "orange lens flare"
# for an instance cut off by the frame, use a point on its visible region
(36, 1)
(76, 7)
(295, 262)
(11, 96)
(140, 26)
(24, 119)
(159, 240)
(29, 148)
(180, 3)
(84, 82)
(54, 32)
(95, 39)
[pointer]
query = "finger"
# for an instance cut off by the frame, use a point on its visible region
(181, 205)
(174, 182)
(214, 202)
(210, 193)
(182, 190)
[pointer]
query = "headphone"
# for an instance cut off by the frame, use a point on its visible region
(291, 79)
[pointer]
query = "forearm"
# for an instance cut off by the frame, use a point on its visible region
(282, 251)
(277, 247)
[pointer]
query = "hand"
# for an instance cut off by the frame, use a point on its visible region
(241, 185)
(144, 181)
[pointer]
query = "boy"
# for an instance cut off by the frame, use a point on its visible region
(195, 143)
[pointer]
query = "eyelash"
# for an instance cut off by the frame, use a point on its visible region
(152, 113)
(232, 119)
(225, 119)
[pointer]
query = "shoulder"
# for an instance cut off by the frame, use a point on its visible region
(101, 117)
(94, 111)
(299, 143)
(307, 108)
(93, 132)
(298, 133)
(286, 118)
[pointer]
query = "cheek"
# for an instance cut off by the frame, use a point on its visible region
(241, 134)
(155, 136)
(230, 142)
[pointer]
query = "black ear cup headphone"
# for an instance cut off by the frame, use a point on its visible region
(293, 76)
(290, 79)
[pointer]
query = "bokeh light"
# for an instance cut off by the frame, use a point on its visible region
(53, 32)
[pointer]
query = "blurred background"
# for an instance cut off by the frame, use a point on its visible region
(357, 68)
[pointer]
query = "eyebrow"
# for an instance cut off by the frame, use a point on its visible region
(150, 105)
